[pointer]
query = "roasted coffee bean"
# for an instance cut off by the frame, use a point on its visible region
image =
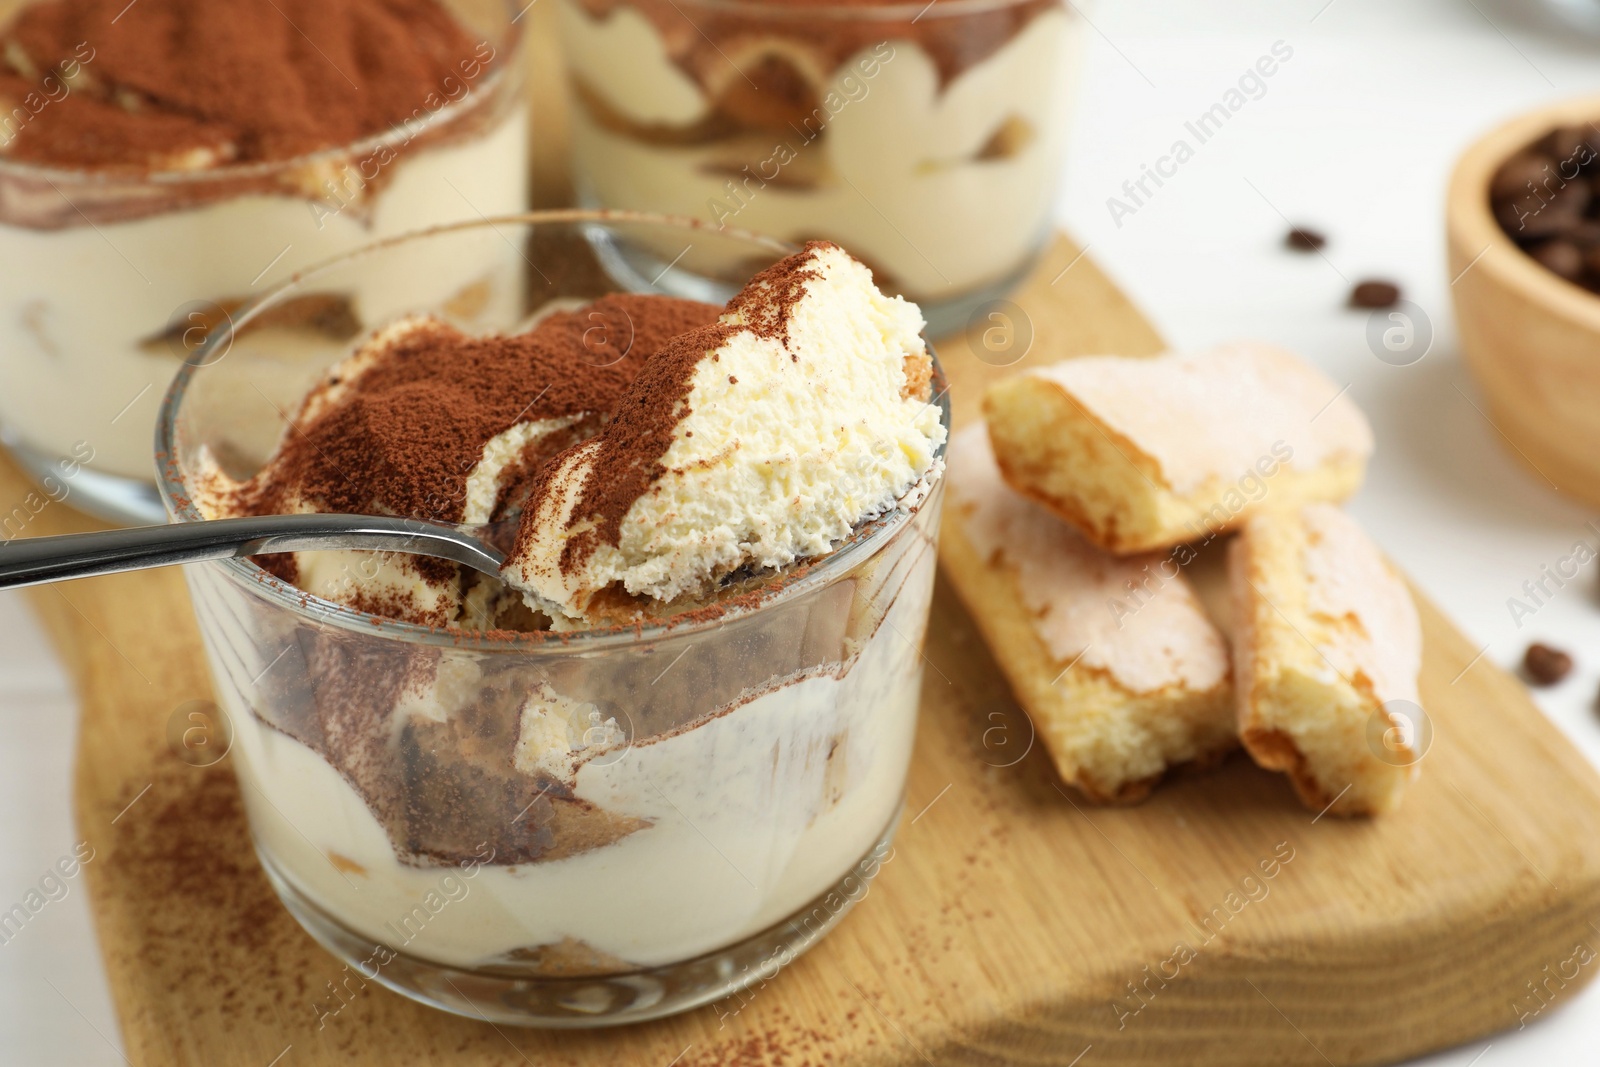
(1520, 176)
(1375, 294)
(1547, 199)
(1573, 148)
(1548, 213)
(1512, 218)
(1584, 233)
(1560, 257)
(1574, 198)
(1302, 239)
(1546, 665)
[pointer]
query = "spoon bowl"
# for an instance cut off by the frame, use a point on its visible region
(37, 560)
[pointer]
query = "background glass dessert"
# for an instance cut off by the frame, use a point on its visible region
(161, 166)
(575, 828)
(926, 138)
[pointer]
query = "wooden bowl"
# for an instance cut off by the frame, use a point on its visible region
(1531, 338)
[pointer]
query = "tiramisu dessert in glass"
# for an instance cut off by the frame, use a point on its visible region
(665, 750)
(927, 138)
(165, 161)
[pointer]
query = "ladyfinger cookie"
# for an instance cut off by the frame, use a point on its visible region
(1146, 453)
(1117, 665)
(1327, 648)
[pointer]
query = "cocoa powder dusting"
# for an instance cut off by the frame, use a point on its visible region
(185, 846)
(628, 456)
(405, 436)
(204, 82)
(701, 37)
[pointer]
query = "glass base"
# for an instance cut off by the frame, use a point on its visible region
(111, 497)
(502, 995)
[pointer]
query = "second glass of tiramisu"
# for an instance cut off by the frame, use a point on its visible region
(927, 137)
(163, 162)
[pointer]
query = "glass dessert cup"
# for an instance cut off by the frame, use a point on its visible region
(927, 139)
(109, 281)
(726, 783)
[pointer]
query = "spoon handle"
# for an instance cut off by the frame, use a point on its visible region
(35, 560)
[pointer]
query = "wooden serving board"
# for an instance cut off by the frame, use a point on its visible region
(1012, 924)
(1005, 929)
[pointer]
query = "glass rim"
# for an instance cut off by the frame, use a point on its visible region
(250, 577)
(399, 133)
(875, 11)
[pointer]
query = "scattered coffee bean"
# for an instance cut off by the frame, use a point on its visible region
(1302, 239)
(1547, 199)
(1375, 294)
(1546, 665)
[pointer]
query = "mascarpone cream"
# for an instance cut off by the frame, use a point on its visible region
(749, 444)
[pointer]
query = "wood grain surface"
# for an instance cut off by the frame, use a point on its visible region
(1012, 924)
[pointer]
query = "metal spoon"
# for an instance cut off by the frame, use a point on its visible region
(36, 560)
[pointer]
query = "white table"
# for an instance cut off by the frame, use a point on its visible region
(1354, 135)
